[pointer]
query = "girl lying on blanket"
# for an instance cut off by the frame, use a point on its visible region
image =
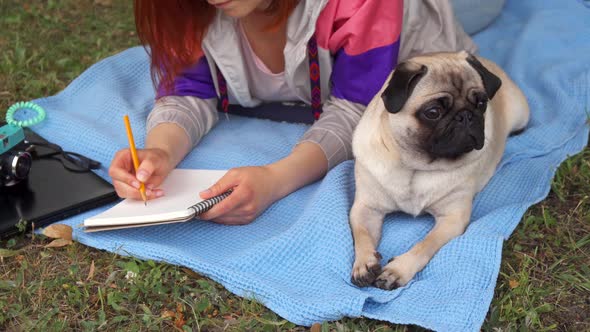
(331, 55)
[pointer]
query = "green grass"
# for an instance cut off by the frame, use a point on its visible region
(544, 282)
(46, 44)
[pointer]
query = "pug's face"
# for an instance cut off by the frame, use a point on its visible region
(437, 104)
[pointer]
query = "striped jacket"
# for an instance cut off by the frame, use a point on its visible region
(358, 46)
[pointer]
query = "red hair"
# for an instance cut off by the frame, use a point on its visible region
(174, 30)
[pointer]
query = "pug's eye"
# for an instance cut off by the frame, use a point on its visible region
(482, 105)
(432, 114)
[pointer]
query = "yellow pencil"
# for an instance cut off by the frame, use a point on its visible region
(134, 156)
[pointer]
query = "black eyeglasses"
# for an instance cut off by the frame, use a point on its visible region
(71, 161)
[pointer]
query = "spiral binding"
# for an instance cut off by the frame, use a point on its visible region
(207, 204)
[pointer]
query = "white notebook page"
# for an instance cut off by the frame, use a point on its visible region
(181, 190)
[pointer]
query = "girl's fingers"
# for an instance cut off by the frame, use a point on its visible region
(121, 170)
(148, 165)
(231, 220)
(121, 166)
(225, 207)
(126, 191)
(154, 181)
(228, 181)
(123, 176)
(229, 203)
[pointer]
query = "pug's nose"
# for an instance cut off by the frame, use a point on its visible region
(464, 117)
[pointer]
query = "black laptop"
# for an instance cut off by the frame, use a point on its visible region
(50, 193)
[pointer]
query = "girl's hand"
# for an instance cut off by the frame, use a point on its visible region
(154, 166)
(255, 188)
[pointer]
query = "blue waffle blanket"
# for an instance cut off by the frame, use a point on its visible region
(296, 258)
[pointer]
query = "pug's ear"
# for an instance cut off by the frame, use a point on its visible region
(402, 83)
(491, 82)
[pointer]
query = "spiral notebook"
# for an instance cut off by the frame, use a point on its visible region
(180, 203)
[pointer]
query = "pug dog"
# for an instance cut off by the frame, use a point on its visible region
(427, 143)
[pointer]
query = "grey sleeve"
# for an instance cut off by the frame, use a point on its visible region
(431, 26)
(194, 115)
(333, 130)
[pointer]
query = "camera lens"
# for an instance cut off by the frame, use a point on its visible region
(21, 165)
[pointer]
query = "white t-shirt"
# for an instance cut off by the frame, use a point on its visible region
(264, 84)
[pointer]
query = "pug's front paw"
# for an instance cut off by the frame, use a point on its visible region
(366, 269)
(397, 273)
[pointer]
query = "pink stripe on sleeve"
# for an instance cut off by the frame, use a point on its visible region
(359, 25)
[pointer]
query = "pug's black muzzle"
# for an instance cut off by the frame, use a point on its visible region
(463, 133)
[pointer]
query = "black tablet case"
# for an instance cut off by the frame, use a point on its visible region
(50, 193)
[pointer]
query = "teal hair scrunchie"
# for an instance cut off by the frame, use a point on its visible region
(25, 105)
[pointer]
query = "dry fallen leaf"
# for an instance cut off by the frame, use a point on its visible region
(513, 283)
(179, 321)
(316, 327)
(91, 272)
(167, 314)
(58, 231)
(57, 243)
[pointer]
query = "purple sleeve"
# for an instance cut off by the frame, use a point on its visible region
(195, 81)
(357, 78)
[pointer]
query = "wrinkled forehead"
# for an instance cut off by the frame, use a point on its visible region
(452, 75)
